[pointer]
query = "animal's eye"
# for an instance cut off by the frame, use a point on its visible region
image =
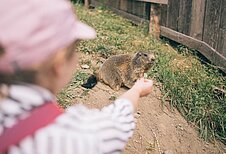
(145, 55)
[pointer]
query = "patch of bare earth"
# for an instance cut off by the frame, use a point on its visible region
(159, 129)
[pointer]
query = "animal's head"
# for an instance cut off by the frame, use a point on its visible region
(143, 60)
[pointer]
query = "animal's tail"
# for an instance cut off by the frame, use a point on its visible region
(90, 83)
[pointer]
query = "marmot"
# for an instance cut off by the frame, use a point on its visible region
(122, 70)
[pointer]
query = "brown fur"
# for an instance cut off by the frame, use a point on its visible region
(124, 70)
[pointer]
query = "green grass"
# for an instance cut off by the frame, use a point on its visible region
(187, 83)
(67, 95)
(190, 88)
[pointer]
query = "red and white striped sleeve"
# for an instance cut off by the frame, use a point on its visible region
(83, 131)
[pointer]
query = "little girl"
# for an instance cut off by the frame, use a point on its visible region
(38, 40)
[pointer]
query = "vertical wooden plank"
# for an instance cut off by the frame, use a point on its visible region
(223, 15)
(87, 3)
(114, 4)
(181, 16)
(184, 19)
(130, 6)
(222, 42)
(222, 33)
(197, 19)
(123, 5)
(147, 11)
(140, 9)
(212, 22)
(117, 4)
(163, 17)
(172, 14)
(143, 8)
(137, 8)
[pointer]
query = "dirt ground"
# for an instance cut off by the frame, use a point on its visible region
(159, 129)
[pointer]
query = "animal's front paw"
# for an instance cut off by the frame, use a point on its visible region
(115, 87)
(129, 85)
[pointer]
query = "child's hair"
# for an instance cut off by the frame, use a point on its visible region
(24, 76)
(28, 76)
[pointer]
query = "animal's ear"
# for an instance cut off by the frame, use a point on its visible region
(139, 53)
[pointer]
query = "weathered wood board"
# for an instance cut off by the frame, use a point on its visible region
(184, 18)
(222, 33)
(212, 22)
(173, 14)
(197, 18)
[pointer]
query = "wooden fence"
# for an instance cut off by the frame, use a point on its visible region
(198, 24)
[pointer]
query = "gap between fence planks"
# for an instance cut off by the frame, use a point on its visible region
(210, 53)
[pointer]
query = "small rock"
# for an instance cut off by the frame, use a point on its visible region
(168, 152)
(179, 127)
(85, 66)
(138, 112)
(136, 116)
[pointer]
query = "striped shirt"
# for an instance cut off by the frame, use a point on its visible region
(78, 130)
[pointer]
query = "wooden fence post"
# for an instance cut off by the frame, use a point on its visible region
(87, 3)
(155, 15)
(154, 25)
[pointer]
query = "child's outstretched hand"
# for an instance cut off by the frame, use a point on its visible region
(143, 86)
